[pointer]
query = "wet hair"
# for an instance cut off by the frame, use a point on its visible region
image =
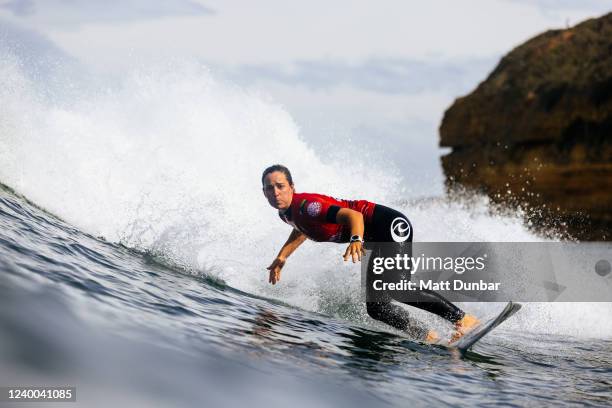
(277, 167)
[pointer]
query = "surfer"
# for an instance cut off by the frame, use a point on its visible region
(325, 219)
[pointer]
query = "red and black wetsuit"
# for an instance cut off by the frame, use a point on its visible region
(314, 215)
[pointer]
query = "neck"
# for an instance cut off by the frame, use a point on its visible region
(284, 210)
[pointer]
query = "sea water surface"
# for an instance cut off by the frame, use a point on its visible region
(121, 326)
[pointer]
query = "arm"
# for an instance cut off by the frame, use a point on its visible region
(296, 238)
(354, 220)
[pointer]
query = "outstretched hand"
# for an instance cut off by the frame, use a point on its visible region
(275, 270)
(355, 250)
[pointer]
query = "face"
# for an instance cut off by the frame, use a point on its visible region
(277, 190)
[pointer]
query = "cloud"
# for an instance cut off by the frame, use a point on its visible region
(379, 75)
(76, 12)
(571, 11)
(20, 8)
(547, 5)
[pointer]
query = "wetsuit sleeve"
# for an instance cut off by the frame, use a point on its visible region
(332, 213)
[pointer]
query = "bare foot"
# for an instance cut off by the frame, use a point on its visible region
(432, 337)
(466, 324)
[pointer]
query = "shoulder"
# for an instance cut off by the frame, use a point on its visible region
(315, 197)
(315, 201)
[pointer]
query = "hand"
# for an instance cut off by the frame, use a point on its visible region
(355, 250)
(275, 270)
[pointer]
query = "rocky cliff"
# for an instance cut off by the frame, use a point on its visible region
(538, 131)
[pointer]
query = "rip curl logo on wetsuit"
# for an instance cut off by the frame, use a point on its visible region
(400, 229)
(313, 209)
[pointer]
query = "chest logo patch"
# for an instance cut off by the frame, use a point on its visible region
(313, 209)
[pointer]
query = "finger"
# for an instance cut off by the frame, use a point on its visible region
(346, 253)
(271, 278)
(355, 253)
(277, 278)
(362, 251)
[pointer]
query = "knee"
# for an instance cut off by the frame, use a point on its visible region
(376, 310)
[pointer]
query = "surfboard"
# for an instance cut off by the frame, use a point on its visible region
(465, 342)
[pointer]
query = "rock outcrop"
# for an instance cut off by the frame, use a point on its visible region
(538, 131)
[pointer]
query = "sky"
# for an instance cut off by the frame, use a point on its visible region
(373, 74)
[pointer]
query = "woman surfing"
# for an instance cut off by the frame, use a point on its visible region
(325, 219)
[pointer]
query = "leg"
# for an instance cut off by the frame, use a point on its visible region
(379, 306)
(436, 304)
(396, 316)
